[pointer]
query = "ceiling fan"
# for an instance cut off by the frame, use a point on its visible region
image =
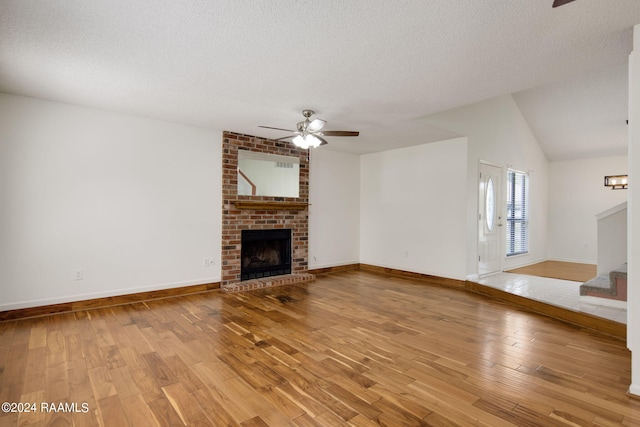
(309, 132)
(557, 3)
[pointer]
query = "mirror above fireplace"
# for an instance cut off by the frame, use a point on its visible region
(262, 174)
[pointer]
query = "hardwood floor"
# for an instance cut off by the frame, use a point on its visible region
(574, 271)
(353, 348)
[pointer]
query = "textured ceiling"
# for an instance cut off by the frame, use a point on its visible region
(584, 116)
(362, 65)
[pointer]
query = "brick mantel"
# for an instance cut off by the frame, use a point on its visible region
(241, 212)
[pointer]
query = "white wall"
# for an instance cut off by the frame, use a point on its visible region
(134, 203)
(334, 214)
(576, 195)
(413, 208)
(498, 133)
(612, 238)
(633, 241)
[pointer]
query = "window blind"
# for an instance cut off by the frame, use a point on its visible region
(517, 213)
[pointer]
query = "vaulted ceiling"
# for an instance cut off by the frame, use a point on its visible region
(372, 66)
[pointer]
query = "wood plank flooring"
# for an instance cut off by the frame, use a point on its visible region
(574, 271)
(353, 348)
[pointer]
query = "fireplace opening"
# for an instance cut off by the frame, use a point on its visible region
(265, 253)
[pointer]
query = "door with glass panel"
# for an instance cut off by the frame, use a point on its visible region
(489, 218)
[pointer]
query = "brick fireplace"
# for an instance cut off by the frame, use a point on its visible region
(249, 212)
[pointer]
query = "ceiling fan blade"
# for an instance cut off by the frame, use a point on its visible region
(316, 125)
(557, 3)
(340, 133)
(284, 137)
(322, 140)
(269, 127)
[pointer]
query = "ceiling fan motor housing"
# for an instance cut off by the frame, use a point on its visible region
(302, 126)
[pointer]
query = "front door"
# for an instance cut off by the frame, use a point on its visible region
(489, 218)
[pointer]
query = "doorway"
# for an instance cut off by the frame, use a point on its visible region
(489, 218)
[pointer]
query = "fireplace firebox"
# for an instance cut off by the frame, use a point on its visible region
(265, 253)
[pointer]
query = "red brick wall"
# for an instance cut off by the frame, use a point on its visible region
(235, 220)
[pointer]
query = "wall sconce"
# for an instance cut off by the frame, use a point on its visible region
(616, 182)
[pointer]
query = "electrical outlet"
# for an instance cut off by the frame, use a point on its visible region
(79, 275)
(209, 262)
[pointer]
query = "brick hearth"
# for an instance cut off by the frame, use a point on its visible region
(267, 282)
(272, 212)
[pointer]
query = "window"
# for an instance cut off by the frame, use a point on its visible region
(490, 205)
(517, 213)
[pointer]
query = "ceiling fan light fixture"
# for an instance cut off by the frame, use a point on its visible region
(312, 141)
(307, 141)
(300, 142)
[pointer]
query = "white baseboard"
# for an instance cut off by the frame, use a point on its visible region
(586, 299)
(634, 389)
(576, 261)
(524, 264)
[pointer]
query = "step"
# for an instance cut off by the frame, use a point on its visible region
(585, 320)
(609, 286)
(619, 273)
(600, 284)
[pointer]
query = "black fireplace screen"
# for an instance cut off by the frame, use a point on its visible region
(265, 253)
